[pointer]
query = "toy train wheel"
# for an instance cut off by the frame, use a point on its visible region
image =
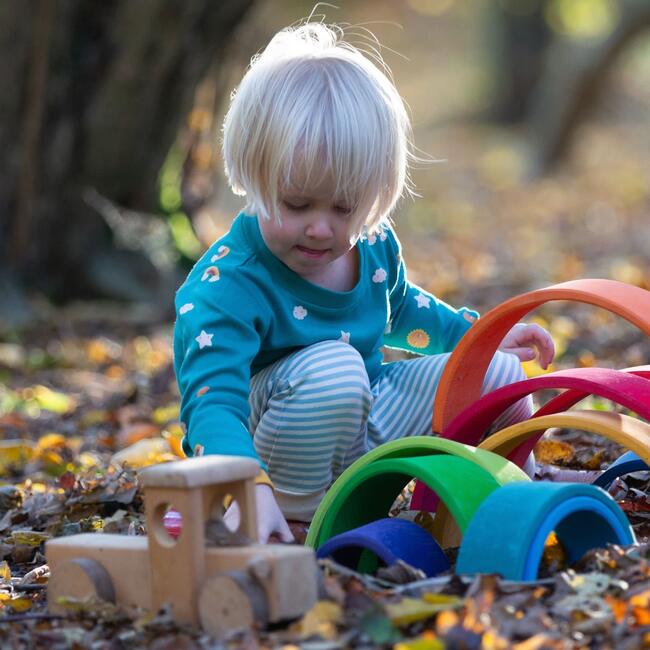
(232, 600)
(79, 579)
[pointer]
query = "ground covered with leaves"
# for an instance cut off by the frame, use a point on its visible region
(87, 400)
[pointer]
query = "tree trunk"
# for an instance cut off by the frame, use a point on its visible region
(94, 94)
(574, 74)
(517, 36)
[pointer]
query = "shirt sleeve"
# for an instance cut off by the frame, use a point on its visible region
(214, 347)
(418, 321)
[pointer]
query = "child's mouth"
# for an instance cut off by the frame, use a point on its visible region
(311, 252)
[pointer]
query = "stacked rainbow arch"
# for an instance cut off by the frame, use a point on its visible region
(482, 499)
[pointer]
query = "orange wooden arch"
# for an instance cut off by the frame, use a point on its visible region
(461, 381)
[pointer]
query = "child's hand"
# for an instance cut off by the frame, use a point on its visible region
(269, 516)
(529, 341)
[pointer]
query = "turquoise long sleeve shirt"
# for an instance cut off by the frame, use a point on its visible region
(241, 309)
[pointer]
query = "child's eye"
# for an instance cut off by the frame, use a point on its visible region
(297, 207)
(342, 209)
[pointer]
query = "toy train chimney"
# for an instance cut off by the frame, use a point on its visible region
(195, 487)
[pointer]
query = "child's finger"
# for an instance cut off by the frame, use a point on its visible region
(285, 533)
(522, 353)
(546, 351)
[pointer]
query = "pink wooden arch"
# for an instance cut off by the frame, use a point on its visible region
(628, 390)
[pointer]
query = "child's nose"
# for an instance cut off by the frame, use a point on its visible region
(319, 228)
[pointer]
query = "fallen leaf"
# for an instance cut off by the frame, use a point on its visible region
(321, 619)
(428, 641)
(20, 604)
(174, 434)
(553, 452)
(5, 571)
(640, 606)
(39, 575)
(149, 451)
(50, 441)
(409, 610)
(15, 453)
(133, 433)
(29, 537)
(164, 414)
(50, 400)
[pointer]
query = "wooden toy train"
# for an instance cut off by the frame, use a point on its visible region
(220, 587)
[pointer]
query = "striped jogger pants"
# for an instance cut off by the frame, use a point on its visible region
(314, 412)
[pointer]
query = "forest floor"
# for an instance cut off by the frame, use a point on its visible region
(86, 392)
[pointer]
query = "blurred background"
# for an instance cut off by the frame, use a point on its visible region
(111, 180)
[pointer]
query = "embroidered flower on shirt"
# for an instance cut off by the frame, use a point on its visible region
(222, 251)
(418, 339)
(383, 236)
(379, 276)
(204, 339)
(345, 337)
(299, 312)
(185, 308)
(423, 301)
(372, 239)
(202, 391)
(211, 274)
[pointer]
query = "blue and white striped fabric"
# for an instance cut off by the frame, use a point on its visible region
(315, 412)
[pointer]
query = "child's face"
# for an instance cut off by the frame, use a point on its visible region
(315, 230)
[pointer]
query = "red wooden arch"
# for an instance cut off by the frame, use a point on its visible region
(628, 390)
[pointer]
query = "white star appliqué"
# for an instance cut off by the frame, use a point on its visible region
(345, 337)
(379, 276)
(299, 312)
(422, 301)
(204, 339)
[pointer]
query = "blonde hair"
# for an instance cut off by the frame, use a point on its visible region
(311, 104)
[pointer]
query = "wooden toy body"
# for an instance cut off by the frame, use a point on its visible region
(126, 560)
(220, 587)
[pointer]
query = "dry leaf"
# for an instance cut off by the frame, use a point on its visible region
(149, 451)
(29, 537)
(428, 641)
(133, 433)
(321, 619)
(553, 452)
(410, 610)
(15, 453)
(20, 603)
(5, 571)
(640, 607)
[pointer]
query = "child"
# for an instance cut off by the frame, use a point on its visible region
(280, 324)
